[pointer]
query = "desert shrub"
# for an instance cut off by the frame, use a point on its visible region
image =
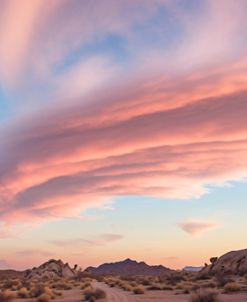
(26, 284)
(125, 286)
(186, 291)
(175, 278)
(44, 298)
(99, 293)
(40, 289)
(23, 293)
(127, 278)
(231, 287)
(85, 285)
(203, 295)
(222, 279)
(195, 287)
(209, 285)
(36, 291)
(138, 290)
(94, 294)
(62, 285)
(7, 295)
(11, 284)
(146, 282)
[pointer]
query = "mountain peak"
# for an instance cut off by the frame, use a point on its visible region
(128, 260)
(128, 267)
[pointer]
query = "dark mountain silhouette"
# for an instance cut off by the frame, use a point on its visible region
(128, 267)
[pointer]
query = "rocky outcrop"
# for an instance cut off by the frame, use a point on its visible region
(50, 270)
(234, 262)
(128, 267)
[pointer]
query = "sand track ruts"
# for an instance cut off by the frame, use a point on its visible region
(115, 294)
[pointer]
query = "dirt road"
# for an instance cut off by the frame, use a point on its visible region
(117, 295)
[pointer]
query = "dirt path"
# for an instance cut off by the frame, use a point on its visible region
(117, 295)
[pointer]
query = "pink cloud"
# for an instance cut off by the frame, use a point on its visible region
(36, 37)
(155, 136)
(85, 242)
(32, 252)
(198, 227)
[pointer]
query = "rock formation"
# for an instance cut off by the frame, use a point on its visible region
(234, 262)
(50, 270)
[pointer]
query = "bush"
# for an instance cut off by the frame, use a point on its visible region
(231, 287)
(94, 294)
(139, 290)
(203, 295)
(23, 293)
(85, 285)
(39, 290)
(44, 298)
(62, 285)
(222, 279)
(6, 296)
(175, 278)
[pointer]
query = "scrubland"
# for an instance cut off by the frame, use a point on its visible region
(175, 286)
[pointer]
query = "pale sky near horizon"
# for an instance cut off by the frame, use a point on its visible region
(123, 131)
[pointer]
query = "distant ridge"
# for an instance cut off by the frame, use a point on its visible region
(192, 268)
(128, 267)
(11, 274)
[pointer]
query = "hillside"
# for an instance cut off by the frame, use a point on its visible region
(128, 267)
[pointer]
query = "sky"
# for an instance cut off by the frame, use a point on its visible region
(123, 131)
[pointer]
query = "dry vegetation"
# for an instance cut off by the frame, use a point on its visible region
(39, 290)
(199, 288)
(91, 294)
(204, 295)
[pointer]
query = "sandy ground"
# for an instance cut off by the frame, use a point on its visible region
(118, 295)
(73, 295)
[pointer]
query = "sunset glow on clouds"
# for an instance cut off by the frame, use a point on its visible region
(115, 99)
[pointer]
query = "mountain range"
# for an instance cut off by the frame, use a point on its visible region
(128, 267)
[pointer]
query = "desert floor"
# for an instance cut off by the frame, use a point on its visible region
(118, 295)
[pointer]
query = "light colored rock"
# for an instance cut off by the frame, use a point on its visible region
(50, 270)
(234, 262)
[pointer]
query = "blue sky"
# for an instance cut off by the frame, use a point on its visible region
(123, 130)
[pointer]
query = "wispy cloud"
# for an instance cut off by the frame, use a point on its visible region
(196, 227)
(137, 145)
(34, 252)
(99, 240)
(153, 131)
